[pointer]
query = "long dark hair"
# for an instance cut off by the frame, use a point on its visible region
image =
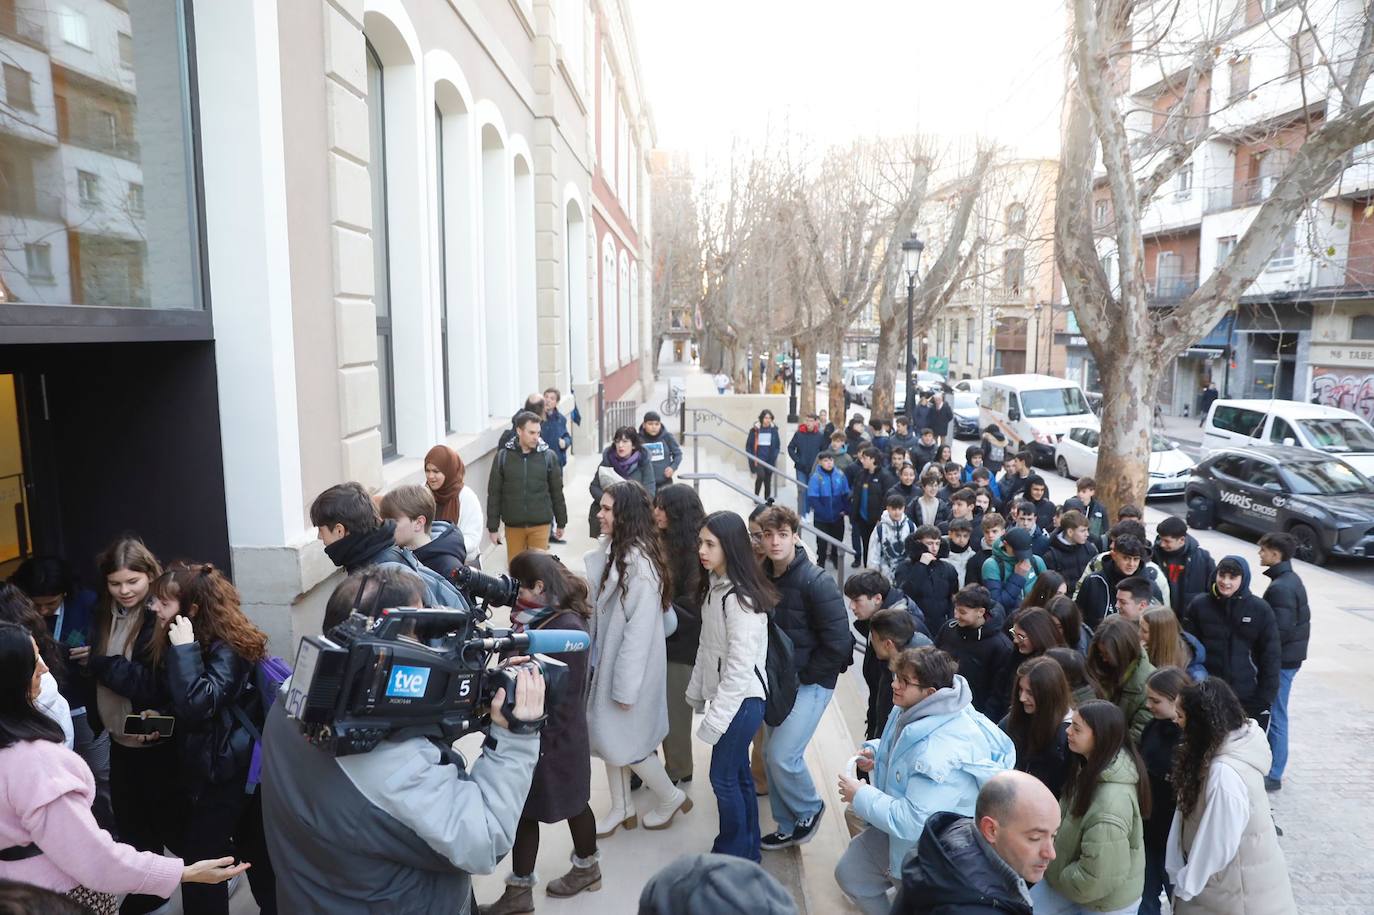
(1046, 587)
(1069, 618)
(1039, 626)
(1038, 731)
(15, 607)
(1115, 647)
(1075, 668)
(19, 719)
(562, 589)
(751, 585)
(633, 528)
(211, 603)
(1211, 713)
(1108, 724)
(682, 507)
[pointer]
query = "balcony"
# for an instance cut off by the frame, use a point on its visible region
(1167, 289)
(22, 26)
(1242, 194)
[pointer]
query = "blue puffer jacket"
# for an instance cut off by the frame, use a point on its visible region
(933, 756)
(828, 496)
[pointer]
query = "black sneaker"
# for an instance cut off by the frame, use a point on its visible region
(806, 829)
(1272, 784)
(775, 841)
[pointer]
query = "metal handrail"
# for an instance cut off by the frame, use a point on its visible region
(754, 458)
(820, 535)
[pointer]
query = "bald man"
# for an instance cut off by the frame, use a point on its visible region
(982, 865)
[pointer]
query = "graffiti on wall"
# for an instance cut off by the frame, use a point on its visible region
(1349, 389)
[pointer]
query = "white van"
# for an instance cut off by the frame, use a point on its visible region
(1034, 411)
(1289, 422)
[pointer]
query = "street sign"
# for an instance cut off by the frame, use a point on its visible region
(938, 364)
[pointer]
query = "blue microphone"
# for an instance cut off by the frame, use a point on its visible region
(541, 641)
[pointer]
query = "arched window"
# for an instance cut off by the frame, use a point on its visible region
(381, 259)
(609, 315)
(497, 273)
(527, 314)
(456, 213)
(1016, 218)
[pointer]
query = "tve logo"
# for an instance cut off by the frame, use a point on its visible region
(407, 682)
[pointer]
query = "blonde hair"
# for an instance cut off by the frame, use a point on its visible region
(1166, 648)
(413, 501)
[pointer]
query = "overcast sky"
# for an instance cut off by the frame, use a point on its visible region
(718, 69)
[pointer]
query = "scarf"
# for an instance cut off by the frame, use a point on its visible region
(446, 496)
(530, 616)
(623, 466)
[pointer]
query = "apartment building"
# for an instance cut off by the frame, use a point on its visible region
(254, 249)
(1278, 73)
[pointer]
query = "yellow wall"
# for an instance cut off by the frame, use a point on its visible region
(11, 464)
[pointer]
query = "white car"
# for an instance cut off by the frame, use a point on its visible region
(856, 385)
(1170, 469)
(972, 385)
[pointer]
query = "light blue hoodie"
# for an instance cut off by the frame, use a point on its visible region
(933, 756)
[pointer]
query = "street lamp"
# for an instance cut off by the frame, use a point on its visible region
(792, 416)
(1038, 306)
(911, 259)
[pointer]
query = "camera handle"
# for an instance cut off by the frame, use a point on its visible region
(392, 619)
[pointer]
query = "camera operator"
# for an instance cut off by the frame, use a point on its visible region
(396, 829)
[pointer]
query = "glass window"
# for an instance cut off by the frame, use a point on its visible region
(1338, 435)
(18, 88)
(1261, 473)
(1016, 218)
(1301, 48)
(111, 102)
(1225, 245)
(1288, 247)
(1240, 79)
(1228, 465)
(381, 261)
(1362, 327)
(1183, 182)
(1280, 430)
(1324, 478)
(1055, 402)
(1240, 421)
(1013, 269)
(38, 260)
(442, 250)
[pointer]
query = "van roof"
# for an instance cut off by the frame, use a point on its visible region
(1030, 382)
(1294, 408)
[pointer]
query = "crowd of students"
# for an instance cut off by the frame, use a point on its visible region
(1142, 685)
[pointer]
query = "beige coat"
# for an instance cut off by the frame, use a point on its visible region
(629, 659)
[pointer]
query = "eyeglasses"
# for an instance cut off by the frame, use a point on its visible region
(756, 536)
(907, 684)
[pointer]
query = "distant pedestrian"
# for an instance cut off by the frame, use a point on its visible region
(807, 443)
(555, 428)
(623, 459)
(1287, 596)
(1205, 401)
(828, 497)
(764, 442)
(665, 455)
(525, 490)
(722, 381)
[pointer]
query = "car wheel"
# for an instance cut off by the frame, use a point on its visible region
(1201, 513)
(1063, 467)
(1309, 544)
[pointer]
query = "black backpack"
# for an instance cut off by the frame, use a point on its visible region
(781, 684)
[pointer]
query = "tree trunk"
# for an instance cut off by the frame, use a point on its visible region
(1130, 383)
(889, 364)
(838, 415)
(806, 380)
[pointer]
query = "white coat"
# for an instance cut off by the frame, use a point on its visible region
(732, 658)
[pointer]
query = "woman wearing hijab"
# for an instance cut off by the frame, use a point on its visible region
(454, 503)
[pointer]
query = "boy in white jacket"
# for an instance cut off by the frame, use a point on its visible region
(887, 545)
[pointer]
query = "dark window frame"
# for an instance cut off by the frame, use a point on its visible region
(381, 242)
(443, 264)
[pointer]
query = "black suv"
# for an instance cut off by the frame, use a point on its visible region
(1321, 500)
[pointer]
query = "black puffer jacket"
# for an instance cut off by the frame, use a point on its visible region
(1069, 559)
(931, 586)
(985, 657)
(1287, 596)
(1050, 764)
(1190, 571)
(446, 552)
(203, 686)
(1096, 595)
(811, 611)
(954, 872)
(1241, 638)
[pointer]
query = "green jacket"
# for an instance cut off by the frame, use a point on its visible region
(1100, 858)
(1130, 698)
(525, 489)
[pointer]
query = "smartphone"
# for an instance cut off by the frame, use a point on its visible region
(162, 724)
(75, 639)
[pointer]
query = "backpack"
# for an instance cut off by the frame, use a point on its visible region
(266, 680)
(781, 684)
(439, 591)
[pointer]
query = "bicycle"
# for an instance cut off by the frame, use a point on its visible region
(674, 401)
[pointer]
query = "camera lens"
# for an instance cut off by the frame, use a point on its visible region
(496, 590)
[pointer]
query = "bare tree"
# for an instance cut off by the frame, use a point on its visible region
(677, 268)
(1132, 342)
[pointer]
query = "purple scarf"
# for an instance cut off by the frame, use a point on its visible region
(624, 466)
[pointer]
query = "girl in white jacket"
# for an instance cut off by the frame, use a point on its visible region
(729, 674)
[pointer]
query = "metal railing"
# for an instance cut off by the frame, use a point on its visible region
(1240, 194)
(1172, 288)
(610, 416)
(696, 479)
(696, 463)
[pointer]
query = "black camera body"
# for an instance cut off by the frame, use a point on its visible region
(410, 667)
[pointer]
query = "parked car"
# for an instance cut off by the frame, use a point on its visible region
(1170, 468)
(1329, 430)
(972, 385)
(1325, 503)
(856, 385)
(1035, 411)
(966, 415)
(898, 396)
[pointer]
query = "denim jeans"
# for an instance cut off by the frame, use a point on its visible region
(863, 872)
(1049, 901)
(1156, 879)
(791, 793)
(1278, 723)
(733, 782)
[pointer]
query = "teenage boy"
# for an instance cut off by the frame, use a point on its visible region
(1070, 551)
(983, 479)
(1086, 503)
(525, 491)
(1010, 572)
(811, 611)
(958, 546)
(869, 594)
(1016, 476)
(1029, 520)
(827, 493)
(1241, 636)
(437, 544)
(1133, 597)
(881, 435)
(1096, 595)
(1037, 494)
(887, 546)
(928, 507)
(961, 509)
(1187, 566)
(994, 526)
(925, 449)
(355, 536)
(897, 457)
(844, 461)
(1287, 596)
(903, 437)
(661, 447)
(867, 501)
(806, 445)
(973, 459)
(983, 651)
(555, 428)
(952, 481)
(926, 578)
